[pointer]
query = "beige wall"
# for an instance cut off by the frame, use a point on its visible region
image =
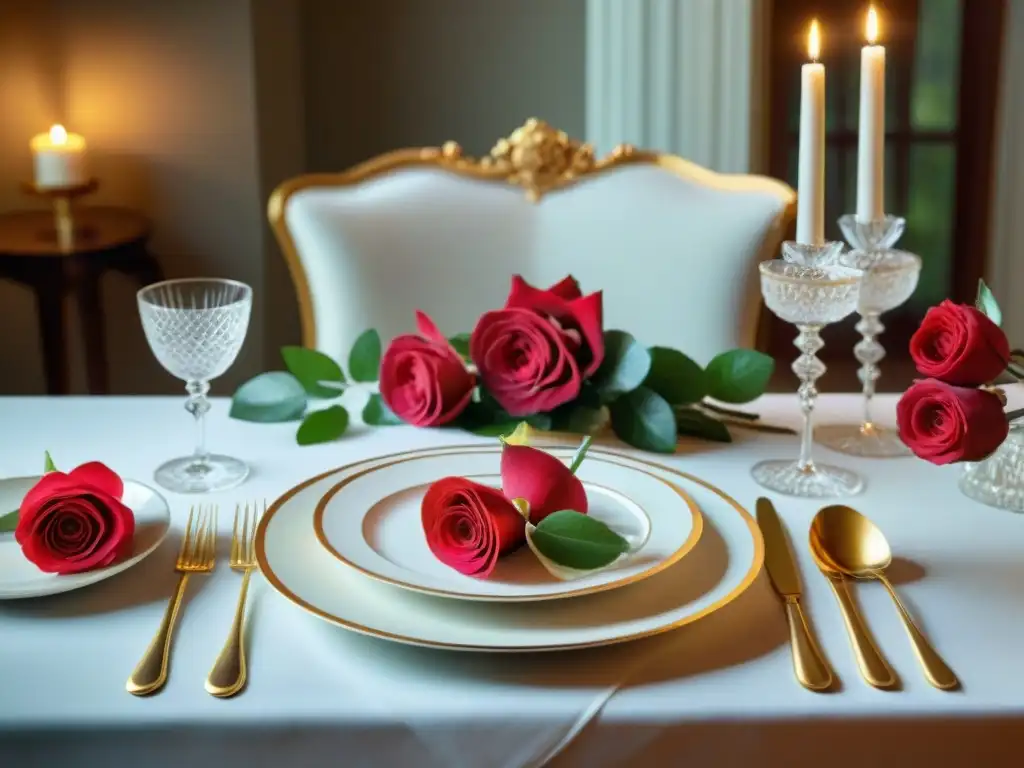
(396, 73)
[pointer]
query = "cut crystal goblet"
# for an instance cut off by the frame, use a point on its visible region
(809, 297)
(195, 328)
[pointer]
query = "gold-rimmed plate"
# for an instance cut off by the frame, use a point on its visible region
(370, 521)
(723, 564)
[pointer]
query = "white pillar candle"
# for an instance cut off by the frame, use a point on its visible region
(871, 136)
(810, 213)
(59, 159)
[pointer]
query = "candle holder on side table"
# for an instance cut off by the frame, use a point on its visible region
(63, 218)
(810, 296)
(890, 277)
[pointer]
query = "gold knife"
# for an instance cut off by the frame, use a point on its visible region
(809, 665)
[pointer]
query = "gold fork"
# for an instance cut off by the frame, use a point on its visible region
(197, 555)
(228, 674)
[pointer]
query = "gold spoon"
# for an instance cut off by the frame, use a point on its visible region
(856, 547)
(873, 666)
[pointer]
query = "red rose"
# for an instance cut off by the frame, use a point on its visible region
(959, 345)
(469, 526)
(423, 379)
(944, 424)
(534, 354)
(540, 478)
(74, 522)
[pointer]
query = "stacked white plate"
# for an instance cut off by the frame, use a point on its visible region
(348, 547)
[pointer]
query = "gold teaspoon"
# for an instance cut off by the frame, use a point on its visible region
(873, 666)
(856, 547)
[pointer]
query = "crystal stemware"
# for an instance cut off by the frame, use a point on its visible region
(890, 277)
(195, 328)
(810, 297)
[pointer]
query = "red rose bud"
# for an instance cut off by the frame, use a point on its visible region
(943, 424)
(469, 526)
(540, 478)
(74, 522)
(959, 345)
(423, 379)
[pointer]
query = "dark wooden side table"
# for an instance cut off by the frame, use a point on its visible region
(103, 239)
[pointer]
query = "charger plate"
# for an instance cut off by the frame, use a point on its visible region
(721, 566)
(370, 520)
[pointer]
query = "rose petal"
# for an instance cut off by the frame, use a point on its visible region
(99, 476)
(543, 480)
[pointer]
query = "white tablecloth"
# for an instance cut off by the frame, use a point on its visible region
(718, 692)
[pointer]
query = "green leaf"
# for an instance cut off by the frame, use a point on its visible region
(269, 397)
(675, 376)
(692, 422)
(48, 465)
(986, 302)
(323, 426)
(364, 359)
(581, 419)
(377, 414)
(577, 541)
(499, 429)
(644, 419)
(541, 421)
(581, 454)
(625, 366)
(311, 368)
(9, 521)
(460, 343)
(738, 376)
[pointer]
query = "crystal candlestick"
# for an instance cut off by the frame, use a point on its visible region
(889, 278)
(810, 297)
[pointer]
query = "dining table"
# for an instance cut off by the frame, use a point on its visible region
(718, 692)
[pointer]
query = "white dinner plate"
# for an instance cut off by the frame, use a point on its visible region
(20, 578)
(720, 567)
(370, 521)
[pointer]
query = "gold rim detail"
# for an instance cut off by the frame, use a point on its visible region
(757, 563)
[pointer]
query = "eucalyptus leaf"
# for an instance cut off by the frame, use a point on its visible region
(48, 465)
(644, 419)
(364, 359)
(311, 368)
(675, 376)
(578, 541)
(270, 397)
(581, 419)
(738, 376)
(377, 414)
(693, 423)
(460, 343)
(986, 302)
(323, 426)
(9, 521)
(625, 366)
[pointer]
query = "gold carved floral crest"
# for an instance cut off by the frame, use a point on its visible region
(537, 158)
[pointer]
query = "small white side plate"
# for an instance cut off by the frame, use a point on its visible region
(19, 578)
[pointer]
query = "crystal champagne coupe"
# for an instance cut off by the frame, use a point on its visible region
(195, 328)
(890, 277)
(810, 297)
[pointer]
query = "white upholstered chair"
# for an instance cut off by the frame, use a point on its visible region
(673, 246)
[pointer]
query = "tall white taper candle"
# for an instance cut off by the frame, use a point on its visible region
(810, 213)
(871, 136)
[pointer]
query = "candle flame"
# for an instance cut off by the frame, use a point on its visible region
(58, 135)
(814, 41)
(872, 26)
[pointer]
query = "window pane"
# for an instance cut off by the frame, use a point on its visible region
(930, 221)
(933, 102)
